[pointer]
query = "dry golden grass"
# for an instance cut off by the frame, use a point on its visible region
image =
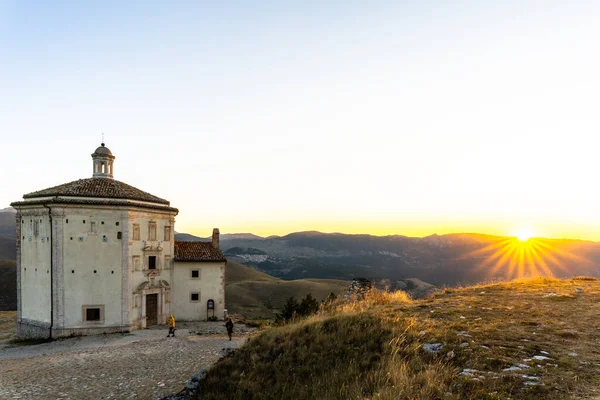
(374, 348)
(8, 324)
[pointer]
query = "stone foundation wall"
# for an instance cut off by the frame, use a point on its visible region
(32, 330)
(93, 330)
(35, 330)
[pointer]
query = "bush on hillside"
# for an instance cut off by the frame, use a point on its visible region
(292, 309)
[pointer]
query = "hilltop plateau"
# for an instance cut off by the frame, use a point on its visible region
(525, 339)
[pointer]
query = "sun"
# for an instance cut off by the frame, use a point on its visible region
(524, 234)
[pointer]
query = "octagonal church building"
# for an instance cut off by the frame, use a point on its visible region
(98, 256)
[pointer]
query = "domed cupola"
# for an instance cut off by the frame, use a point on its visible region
(103, 162)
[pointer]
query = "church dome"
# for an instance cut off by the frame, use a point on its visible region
(102, 151)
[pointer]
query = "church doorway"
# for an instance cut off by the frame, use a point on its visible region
(151, 309)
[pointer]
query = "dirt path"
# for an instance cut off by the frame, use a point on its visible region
(140, 365)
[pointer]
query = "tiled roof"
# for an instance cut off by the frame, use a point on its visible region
(98, 187)
(197, 251)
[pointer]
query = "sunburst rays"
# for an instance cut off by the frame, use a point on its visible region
(515, 258)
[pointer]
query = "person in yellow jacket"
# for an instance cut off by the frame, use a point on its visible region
(171, 325)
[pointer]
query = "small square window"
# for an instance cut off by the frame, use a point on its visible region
(195, 297)
(92, 314)
(167, 233)
(119, 235)
(195, 273)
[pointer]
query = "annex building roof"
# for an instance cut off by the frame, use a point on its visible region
(197, 251)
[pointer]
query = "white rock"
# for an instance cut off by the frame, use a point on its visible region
(572, 354)
(511, 369)
(432, 347)
(541, 358)
(530, 377)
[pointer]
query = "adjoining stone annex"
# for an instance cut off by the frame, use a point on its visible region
(98, 256)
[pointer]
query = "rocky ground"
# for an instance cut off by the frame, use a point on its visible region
(138, 365)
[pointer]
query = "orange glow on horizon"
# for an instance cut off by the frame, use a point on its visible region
(409, 228)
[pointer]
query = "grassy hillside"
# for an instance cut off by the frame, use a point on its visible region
(527, 339)
(255, 294)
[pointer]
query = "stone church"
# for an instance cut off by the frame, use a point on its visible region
(98, 256)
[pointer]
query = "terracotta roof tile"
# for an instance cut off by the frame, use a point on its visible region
(98, 187)
(197, 251)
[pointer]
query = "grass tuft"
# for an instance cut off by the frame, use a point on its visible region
(585, 278)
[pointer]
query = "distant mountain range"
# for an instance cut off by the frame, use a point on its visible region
(460, 258)
(438, 259)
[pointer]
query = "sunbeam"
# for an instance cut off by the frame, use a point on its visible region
(524, 256)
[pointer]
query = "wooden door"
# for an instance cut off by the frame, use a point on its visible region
(151, 309)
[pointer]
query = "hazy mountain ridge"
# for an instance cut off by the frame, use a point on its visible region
(439, 259)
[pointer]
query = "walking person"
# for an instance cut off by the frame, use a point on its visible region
(229, 326)
(171, 325)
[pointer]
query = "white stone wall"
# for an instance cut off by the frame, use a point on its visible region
(210, 285)
(35, 265)
(92, 265)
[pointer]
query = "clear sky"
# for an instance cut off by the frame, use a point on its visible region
(382, 117)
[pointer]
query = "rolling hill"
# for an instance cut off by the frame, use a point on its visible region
(257, 295)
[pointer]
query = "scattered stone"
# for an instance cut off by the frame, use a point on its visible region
(552, 294)
(511, 369)
(226, 352)
(450, 355)
(579, 290)
(432, 347)
(531, 377)
(465, 344)
(463, 333)
(462, 317)
(481, 292)
(541, 358)
(198, 376)
(572, 354)
(544, 352)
